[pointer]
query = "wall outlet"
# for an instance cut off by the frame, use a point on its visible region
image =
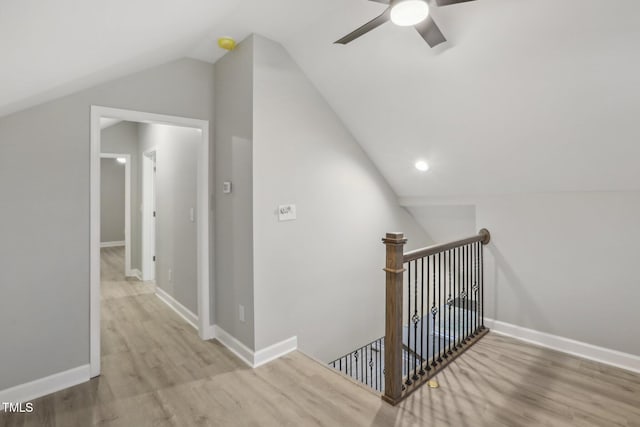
(241, 312)
(226, 187)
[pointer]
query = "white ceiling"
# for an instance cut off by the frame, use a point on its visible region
(527, 95)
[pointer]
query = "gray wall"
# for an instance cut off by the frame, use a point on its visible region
(319, 277)
(565, 264)
(445, 223)
(234, 217)
(560, 263)
(122, 138)
(112, 200)
(45, 310)
(176, 184)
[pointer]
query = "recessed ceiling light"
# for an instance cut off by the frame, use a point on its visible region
(121, 160)
(406, 13)
(422, 166)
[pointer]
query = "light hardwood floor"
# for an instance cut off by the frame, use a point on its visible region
(156, 372)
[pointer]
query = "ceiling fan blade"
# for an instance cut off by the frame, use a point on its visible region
(430, 32)
(449, 2)
(371, 25)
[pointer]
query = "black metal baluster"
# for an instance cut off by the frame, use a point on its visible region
(440, 280)
(380, 363)
(379, 366)
(422, 317)
(415, 320)
(458, 298)
(409, 382)
(434, 311)
(369, 364)
(444, 300)
(363, 361)
(449, 303)
(428, 366)
(437, 302)
(475, 292)
(471, 285)
(355, 355)
(458, 290)
(453, 302)
(468, 294)
(482, 286)
(445, 280)
(473, 278)
(463, 310)
(478, 252)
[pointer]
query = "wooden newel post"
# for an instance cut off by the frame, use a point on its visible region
(393, 312)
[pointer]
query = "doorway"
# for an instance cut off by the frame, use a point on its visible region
(112, 236)
(198, 214)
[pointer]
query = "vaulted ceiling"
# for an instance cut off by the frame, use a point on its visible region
(527, 96)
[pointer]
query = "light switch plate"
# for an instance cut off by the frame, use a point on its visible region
(287, 212)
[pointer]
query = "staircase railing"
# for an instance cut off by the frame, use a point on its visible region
(434, 312)
(365, 364)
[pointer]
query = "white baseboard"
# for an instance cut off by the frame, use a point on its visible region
(111, 244)
(242, 351)
(32, 390)
(254, 358)
(275, 351)
(182, 311)
(135, 273)
(607, 356)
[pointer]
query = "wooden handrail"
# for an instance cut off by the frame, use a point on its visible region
(469, 329)
(483, 236)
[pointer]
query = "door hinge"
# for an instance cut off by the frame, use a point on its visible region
(154, 214)
(154, 258)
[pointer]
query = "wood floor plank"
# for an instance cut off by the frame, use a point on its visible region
(157, 372)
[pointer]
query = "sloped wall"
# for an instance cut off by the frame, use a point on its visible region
(319, 277)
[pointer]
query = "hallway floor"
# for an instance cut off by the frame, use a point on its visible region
(157, 372)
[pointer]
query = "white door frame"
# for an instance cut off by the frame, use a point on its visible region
(148, 223)
(127, 209)
(203, 209)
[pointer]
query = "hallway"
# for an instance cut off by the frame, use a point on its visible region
(157, 372)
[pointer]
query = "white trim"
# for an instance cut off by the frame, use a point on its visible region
(210, 333)
(148, 246)
(137, 274)
(205, 246)
(275, 351)
(127, 208)
(607, 356)
(112, 244)
(32, 390)
(175, 305)
(248, 356)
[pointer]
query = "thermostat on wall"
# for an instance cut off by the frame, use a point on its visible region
(287, 212)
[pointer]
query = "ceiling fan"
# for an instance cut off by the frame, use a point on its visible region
(406, 13)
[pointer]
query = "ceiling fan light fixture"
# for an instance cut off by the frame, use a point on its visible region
(406, 13)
